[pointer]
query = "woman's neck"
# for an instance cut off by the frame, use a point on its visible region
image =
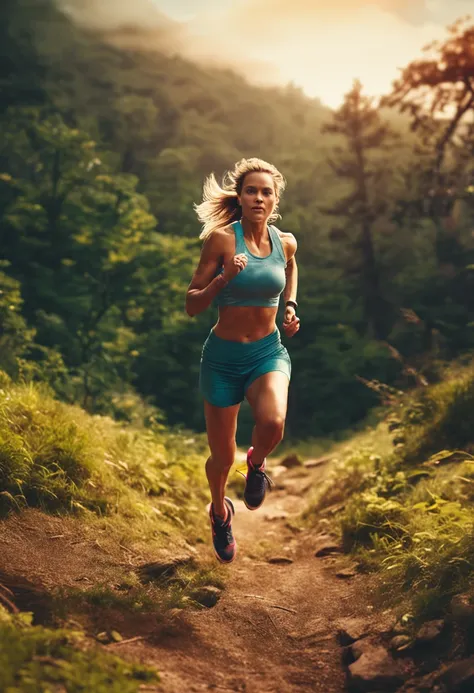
(258, 230)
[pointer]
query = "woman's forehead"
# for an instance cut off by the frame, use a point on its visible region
(259, 178)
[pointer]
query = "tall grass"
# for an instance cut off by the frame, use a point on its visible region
(34, 659)
(58, 458)
(408, 509)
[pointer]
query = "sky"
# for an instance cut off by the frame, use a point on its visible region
(319, 45)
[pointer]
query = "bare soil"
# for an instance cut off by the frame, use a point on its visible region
(274, 630)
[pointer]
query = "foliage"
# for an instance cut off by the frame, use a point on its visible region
(57, 457)
(408, 511)
(34, 659)
(104, 152)
(439, 84)
(15, 337)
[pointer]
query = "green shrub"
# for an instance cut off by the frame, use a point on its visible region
(59, 458)
(440, 417)
(408, 511)
(34, 659)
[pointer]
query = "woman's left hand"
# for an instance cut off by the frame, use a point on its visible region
(291, 324)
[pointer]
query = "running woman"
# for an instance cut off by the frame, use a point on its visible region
(245, 265)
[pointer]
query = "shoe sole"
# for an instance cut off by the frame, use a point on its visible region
(221, 560)
(226, 562)
(253, 507)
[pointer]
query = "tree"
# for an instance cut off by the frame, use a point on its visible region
(15, 336)
(75, 234)
(365, 202)
(438, 91)
(438, 94)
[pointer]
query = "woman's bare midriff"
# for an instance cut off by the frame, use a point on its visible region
(245, 323)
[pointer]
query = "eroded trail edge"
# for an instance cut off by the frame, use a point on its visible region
(277, 625)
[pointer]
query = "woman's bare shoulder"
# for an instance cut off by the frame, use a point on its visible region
(289, 242)
(220, 239)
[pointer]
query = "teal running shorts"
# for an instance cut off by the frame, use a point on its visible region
(228, 367)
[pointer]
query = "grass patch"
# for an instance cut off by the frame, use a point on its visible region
(58, 458)
(130, 596)
(34, 659)
(406, 491)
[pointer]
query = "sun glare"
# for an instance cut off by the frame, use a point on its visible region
(322, 54)
(325, 60)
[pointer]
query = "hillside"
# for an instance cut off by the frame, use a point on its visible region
(356, 572)
(104, 155)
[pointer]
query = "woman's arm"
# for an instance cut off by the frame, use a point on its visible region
(291, 324)
(291, 286)
(204, 286)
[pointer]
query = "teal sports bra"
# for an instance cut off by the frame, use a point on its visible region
(263, 279)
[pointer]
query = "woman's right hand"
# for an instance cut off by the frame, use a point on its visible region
(236, 265)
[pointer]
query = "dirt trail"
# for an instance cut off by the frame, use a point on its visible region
(275, 627)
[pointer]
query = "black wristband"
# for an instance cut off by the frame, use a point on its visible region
(293, 304)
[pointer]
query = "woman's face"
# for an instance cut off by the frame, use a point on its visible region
(258, 198)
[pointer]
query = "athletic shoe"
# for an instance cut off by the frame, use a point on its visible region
(256, 484)
(225, 545)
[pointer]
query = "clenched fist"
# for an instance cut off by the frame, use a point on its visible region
(236, 265)
(291, 324)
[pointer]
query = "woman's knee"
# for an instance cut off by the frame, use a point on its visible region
(223, 457)
(272, 426)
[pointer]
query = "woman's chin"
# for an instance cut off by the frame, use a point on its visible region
(254, 216)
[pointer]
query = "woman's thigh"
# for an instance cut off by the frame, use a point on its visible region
(268, 396)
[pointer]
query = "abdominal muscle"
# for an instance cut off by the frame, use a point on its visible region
(245, 323)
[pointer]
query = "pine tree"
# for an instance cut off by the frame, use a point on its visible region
(364, 134)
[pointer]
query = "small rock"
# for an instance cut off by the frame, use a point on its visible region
(103, 637)
(346, 573)
(280, 560)
(324, 548)
(400, 642)
(363, 645)
(376, 670)
(351, 629)
(458, 677)
(207, 596)
(310, 464)
(276, 515)
(429, 631)
(115, 636)
(291, 461)
(462, 610)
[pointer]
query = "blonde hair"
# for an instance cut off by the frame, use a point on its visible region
(220, 207)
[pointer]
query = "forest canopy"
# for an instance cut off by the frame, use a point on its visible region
(103, 155)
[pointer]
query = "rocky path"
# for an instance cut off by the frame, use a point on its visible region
(275, 628)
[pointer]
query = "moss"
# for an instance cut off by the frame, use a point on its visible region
(34, 659)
